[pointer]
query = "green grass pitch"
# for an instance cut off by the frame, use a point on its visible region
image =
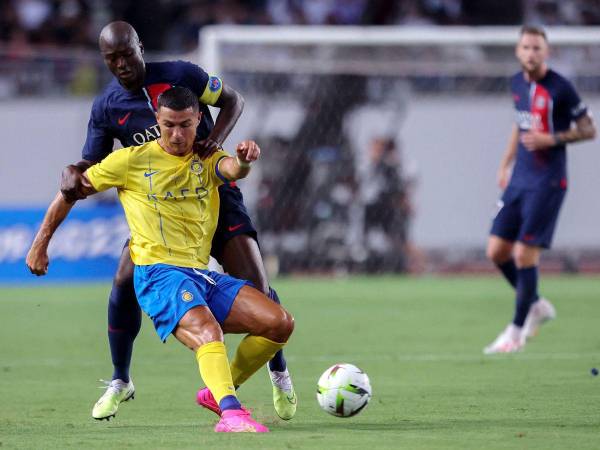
(419, 340)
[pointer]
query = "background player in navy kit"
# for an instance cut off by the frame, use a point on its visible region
(546, 106)
(126, 111)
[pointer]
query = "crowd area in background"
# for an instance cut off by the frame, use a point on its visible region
(172, 25)
(332, 205)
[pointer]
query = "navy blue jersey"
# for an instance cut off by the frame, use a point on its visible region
(548, 105)
(128, 116)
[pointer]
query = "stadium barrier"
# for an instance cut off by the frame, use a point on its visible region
(87, 246)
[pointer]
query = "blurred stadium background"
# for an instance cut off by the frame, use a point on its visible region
(380, 143)
(382, 125)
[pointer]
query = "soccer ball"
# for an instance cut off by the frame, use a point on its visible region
(343, 390)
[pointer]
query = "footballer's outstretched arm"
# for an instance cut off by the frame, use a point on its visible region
(72, 179)
(508, 158)
(234, 168)
(37, 257)
(231, 105)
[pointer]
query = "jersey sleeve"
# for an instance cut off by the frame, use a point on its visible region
(99, 140)
(212, 90)
(573, 103)
(111, 171)
(207, 87)
(216, 176)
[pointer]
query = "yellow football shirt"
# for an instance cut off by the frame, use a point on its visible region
(171, 202)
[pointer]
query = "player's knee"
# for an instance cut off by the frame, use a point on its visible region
(497, 254)
(281, 326)
(289, 324)
(124, 277)
(210, 334)
(520, 260)
(525, 257)
(203, 332)
(491, 254)
(122, 295)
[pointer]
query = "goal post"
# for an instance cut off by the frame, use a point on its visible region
(214, 37)
(378, 138)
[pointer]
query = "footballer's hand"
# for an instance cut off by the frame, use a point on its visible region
(503, 177)
(535, 140)
(37, 260)
(206, 148)
(247, 151)
(71, 183)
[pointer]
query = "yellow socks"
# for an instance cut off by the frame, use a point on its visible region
(214, 369)
(252, 353)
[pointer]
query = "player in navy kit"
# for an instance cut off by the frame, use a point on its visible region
(546, 107)
(126, 111)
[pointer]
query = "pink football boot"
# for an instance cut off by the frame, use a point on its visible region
(238, 421)
(205, 399)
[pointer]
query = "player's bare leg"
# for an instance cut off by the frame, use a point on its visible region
(500, 252)
(514, 336)
(124, 321)
(199, 331)
(526, 255)
(255, 314)
(198, 327)
(242, 259)
(267, 327)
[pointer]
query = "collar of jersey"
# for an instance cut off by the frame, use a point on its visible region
(169, 155)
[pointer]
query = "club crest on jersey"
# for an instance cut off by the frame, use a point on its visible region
(187, 296)
(196, 167)
(540, 102)
(214, 84)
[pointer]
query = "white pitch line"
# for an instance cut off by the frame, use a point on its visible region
(592, 357)
(448, 357)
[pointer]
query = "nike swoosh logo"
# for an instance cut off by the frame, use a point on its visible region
(291, 399)
(235, 227)
(123, 119)
(149, 174)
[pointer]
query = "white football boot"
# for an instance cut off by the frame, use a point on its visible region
(511, 340)
(541, 311)
(117, 392)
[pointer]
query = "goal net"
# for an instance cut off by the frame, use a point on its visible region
(380, 141)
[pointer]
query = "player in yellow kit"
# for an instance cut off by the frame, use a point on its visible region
(171, 203)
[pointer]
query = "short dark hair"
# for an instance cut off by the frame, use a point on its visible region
(178, 98)
(533, 29)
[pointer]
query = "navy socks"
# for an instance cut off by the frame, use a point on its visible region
(527, 280)
(229, 402)
(124, 322)
(509, 270)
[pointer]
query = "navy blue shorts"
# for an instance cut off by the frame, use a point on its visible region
(165, 293)
(528, 216)
(233, 219)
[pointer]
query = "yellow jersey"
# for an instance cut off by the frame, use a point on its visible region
(171, 202)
